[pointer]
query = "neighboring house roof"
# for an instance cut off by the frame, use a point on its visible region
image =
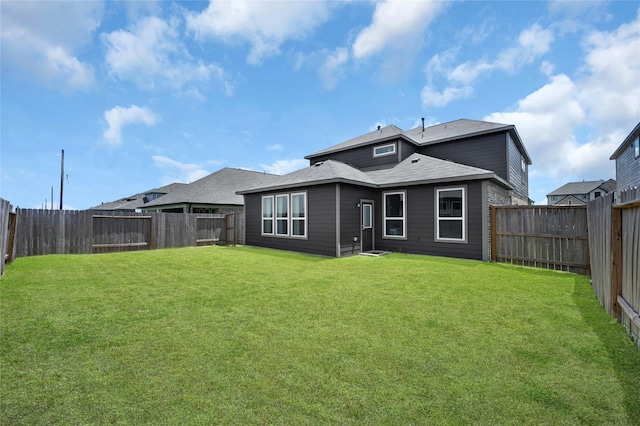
(570, 200)
(462, 128)
(626, 143)
(583, 187)
(217, 188)
(415, 170)
(136, 201)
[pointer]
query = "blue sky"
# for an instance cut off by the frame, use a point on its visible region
(142, 94)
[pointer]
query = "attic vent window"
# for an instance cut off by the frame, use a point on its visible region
(415, 160)
(319, 163)
(389, 149)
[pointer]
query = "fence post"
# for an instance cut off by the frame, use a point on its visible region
(616, 261)
(494, 239)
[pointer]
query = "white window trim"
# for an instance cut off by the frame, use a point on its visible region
(393, 151)
(403, 218)
(273, 212)
(304, 218)
(463, 218)
(287, 219)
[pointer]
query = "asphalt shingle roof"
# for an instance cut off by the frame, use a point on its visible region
(217, 188)
(571, 188)
(430, 135)
(417, 169)
(136, 201)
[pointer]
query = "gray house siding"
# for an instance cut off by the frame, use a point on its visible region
(627, 169)
(321, 217)
(362, 157)
(518, 178)
(486, 152)
(420, 216)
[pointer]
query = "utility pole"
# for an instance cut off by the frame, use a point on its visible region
(61, 179)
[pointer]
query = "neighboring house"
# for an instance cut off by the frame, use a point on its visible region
(627, 158)
(214, 193)
(580, 193)
(425, 191)
(135, 202)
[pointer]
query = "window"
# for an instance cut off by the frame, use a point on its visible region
(450, 214)
(597, 194)
(394, 221)
(523, 167)
(282, 214)
(366, 216)
(287, 217)
(636, 147)
(267, 215)
(299, 214)
(381, 150)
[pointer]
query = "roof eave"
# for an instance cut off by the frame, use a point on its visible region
(460, 178)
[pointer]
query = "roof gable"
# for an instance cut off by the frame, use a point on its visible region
(583, 187)
(627, 142)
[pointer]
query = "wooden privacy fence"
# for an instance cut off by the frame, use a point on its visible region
(6, 223)
(40, 232)
(614, 237)
(541, 236)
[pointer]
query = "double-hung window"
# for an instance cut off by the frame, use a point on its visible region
(282, 214)
(267, 215)
(636, 148)
(394, 215)
(299, 214)
(451, 211)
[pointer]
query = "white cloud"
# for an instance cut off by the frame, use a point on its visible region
(394, 24)
(332, 67)
(282, 167)
(432, 97)
(602, 105)
(611, 88)
(532, 43)
(118, 117)
(186, 172)
(40, 38)
(275, 147)
(152, 55)
(265, 25)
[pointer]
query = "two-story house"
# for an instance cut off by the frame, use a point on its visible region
(627, 158)
(580, 193)
(424, 191)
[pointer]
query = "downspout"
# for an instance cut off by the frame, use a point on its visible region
(337, 220)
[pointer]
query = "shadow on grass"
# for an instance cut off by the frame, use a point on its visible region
(623, 353)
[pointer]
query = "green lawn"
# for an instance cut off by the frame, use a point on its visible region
(238, 335)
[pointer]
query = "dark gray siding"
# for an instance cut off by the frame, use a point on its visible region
(362, 157)
(627, 169)
(350, 197)
(420, 205)
(406, 149)
(517, 179)
(487, 152)
(321, 216)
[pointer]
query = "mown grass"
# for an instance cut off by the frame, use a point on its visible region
(223, 335)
